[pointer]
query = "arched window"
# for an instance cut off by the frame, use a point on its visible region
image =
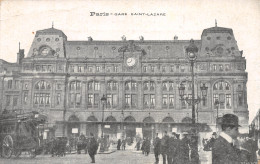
(75, 93)
(42, 94)
(222, 95)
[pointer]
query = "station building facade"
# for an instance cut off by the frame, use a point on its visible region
(139, 78)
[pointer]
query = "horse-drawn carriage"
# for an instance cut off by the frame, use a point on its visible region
(19, 133)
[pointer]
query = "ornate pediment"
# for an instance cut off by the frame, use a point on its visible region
(131, 47)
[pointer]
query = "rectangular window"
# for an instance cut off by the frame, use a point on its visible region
(96, 86)
(58, 99)
(72, 99)
(152, 100)
(182, 68)
(152, 86)
(58, 86)
(152, 68)
(172, 69)
(108, 69)
(165, 100)
(9, 84)
(170, 86)
(145, 69)
(114, 86)
(171, 101)
(72, 68)
(114, 100)
(97, 68)
(38, 68)
(90, 99)
(15, 100)
(16, 84)
(145, 86)
(78, 86)
(36, 98)
(109, 86)
(240, 99)
(221, 67)
(190, 98)
(109, 100)
(146, 101)
(90, 69)
(44, 68)
(127, 86)
(80, 69)
(222, 101)
(73, 85)
(215, 98)
(134, 86)
(134, 100)
(96, 99)
(90, 86)
(78, 99)
(183, 104)
(228, 101)
(115, 68)
(25, 97)
(227, 67)
(42, 99)
(47, 99)
(127, 100)
(214, 67)
(49, 68)
(165, 86)
(163, 68)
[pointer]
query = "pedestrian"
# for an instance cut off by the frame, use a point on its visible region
(157, 148)
(171, 147)
(251, 147)
(223, 150)
(119, 144)
(92, 147)
(143, 144)
(123, 144)
(164, 146)
(138, 145)
(177, 154)
(147, 146)
(185, 148)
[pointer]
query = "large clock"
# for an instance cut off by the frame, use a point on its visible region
(131, 61)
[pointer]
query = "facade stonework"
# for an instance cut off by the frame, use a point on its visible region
(140, 78)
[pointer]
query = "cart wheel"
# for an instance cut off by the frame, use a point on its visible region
(32, 153)
(7, 146)
(17, 153)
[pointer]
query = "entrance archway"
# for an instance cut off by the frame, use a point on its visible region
(73, 124)
(92, 126)
(130, 130)
(166, 126)
(148, 127)
(112, 130)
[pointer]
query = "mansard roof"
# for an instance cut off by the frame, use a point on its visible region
(50, 31)
(217, 30)
(111, 49)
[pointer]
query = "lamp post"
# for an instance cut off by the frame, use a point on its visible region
(217, 105)
(191, 53)
(103, 101)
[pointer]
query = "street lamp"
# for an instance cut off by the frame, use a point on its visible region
(102, 147)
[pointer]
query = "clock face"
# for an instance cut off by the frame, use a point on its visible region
(130, 61)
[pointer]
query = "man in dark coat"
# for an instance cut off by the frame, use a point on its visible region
(147, 146)
(92, 147)
(171, 147)
(185, 148)
(223, 150)
(164, 146)
(119, 144)
(157, 148)
(251, 147)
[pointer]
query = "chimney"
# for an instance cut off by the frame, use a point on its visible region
(123, 38)
(175, 37)
(20, 56)
(141, 38)
(90, 39)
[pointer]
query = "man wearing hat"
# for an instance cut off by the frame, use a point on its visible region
(92, 147)
(223, 150)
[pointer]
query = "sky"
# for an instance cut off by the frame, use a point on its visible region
(20, 19)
